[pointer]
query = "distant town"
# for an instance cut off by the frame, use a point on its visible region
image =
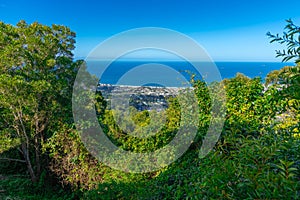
(140, 97)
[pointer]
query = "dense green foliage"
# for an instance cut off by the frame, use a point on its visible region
(37, 73)
(256, 157)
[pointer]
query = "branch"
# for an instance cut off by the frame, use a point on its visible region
(12, 159)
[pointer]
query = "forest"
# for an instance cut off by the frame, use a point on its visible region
(42, 155)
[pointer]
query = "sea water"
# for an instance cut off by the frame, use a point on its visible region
(114, 72)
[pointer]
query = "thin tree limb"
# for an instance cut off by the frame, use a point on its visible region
(12, 159)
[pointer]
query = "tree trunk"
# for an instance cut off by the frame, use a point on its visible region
(25, 152)
(37, 158)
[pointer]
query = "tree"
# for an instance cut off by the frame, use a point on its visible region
(288, 78)
(291, 39)
(37, 74)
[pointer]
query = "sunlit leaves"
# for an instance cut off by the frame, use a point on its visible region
(37, 75)
(292, 40)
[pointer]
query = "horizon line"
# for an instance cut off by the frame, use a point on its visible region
(176, 60)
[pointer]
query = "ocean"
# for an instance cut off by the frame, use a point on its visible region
(171, 73)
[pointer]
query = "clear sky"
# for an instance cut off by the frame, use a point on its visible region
(229, 30)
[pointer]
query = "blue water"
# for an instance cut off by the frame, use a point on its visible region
(113, 73)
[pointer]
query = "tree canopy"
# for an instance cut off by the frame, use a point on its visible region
(37, 73)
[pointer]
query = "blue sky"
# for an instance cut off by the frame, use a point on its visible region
(228, 30)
